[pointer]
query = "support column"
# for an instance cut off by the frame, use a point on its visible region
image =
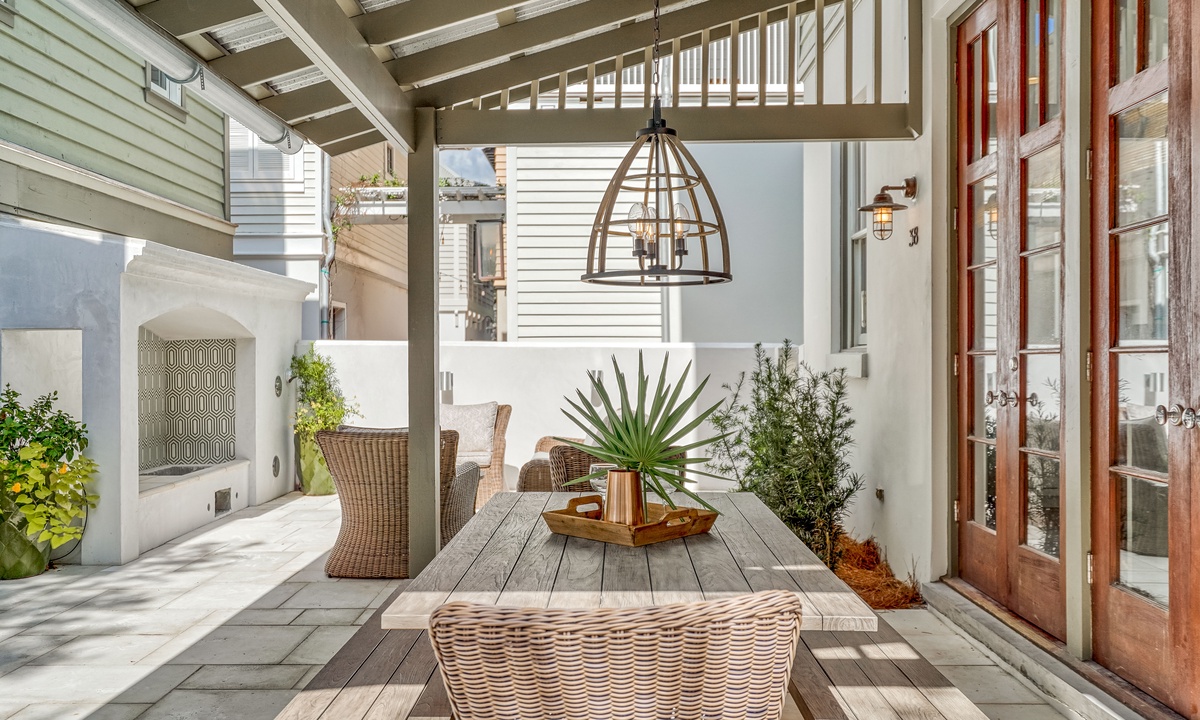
(1077, 318)
(424, 425)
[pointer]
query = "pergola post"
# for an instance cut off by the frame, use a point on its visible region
(424, 426)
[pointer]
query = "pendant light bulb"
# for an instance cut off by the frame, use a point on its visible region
(680, 228)
(636, 212)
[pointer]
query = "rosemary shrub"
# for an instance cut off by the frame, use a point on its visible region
(785, 436)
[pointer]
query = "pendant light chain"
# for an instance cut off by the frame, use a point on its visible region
(655, 79)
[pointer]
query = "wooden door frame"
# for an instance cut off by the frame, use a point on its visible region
(1171, 674)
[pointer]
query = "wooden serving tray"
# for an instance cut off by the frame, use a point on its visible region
(663, 523)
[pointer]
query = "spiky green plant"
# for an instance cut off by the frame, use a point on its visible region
(641, 434)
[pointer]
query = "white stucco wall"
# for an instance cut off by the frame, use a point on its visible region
(107, 286)
(901, 406)
(533, 377)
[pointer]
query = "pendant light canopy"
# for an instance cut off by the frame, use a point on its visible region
(659, 222)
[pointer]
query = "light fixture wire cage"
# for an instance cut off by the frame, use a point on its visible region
(676, 247)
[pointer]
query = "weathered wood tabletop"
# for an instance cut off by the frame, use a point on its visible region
(507, 556)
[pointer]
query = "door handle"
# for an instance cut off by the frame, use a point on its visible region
(1012, 398)
(1174, 415)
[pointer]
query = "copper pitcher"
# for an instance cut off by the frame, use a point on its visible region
(625, 503)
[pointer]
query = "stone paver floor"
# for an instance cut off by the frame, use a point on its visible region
(232, 620)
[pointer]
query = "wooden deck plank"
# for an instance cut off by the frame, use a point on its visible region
(839, 606)
(855, 688)
(759, 564)
(434, 703)
(361, 691)
(813, 691)
(435, 583)
(949, 700)
(323, 689)
(905, 698)
(532, 579)
(406, 686)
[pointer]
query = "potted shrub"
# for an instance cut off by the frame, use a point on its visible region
(639, 437)
(44, 477)
(320, 405)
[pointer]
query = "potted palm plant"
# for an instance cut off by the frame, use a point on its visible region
(320, 405)
(638, 434)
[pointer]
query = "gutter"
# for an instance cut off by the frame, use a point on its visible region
(128, 27)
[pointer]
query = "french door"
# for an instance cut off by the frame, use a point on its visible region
(1146, 330)
(1010, 375)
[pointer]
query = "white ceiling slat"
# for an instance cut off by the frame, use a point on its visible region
(416, 17)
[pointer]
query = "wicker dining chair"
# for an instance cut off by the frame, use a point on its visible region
(370, 471)
(567, 464)
(535, 474)
(728, 659)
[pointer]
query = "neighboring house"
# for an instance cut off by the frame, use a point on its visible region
(92, 136)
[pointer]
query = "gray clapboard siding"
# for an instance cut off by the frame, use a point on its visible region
(556, 191)
(70, 92)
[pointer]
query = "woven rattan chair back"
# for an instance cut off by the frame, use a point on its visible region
(370, 471)
(728, 659)
(567, 464)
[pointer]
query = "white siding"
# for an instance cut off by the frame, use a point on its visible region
(273, 214)
(555, 191)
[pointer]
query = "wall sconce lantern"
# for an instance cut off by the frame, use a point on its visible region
(991, 216)
(599, 376)
(884, 206)
(447, 387)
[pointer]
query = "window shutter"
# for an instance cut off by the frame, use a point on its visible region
(241, 151)
(271, 163)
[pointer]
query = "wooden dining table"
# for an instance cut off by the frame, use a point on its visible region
(506, 555)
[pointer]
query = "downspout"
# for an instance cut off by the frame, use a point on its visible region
(326, 205)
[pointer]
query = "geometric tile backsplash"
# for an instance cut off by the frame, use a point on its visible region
(186, 401)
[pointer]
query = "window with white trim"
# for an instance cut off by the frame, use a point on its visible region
(850, 243)
(252, 159)
(163, 86)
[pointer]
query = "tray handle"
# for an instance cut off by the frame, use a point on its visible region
(680, 516)
(574, 504)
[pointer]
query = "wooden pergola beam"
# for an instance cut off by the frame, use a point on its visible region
(187, 17)
(306, 102)
(336, 127)
(355, 143)
(466, 127)
(262, 64)
(596, 48)
(515, 38)
(332, 42)
(417, 17)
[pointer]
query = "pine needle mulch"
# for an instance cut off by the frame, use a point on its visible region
(863, 567)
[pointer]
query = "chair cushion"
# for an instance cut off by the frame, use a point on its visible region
(476, 424)
(482, 459)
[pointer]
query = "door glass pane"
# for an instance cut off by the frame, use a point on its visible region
(1053, 57)
(1043, 307)
(1042, 401)
(1156, 31)
(1142, 178)
(992, 90)
(1125, 45)
(985, 209)
(1042, 503)
(1142, 385)
(1033, 64)
(983, 291)
(984, 505)
(1143, 257)
(977, 93)
(1043, 199)
(983, 381)
(1143, 534)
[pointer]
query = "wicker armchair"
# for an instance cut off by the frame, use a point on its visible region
(567, 464)
(492, 466)
(535, 474)
(726, 659)
(370, 471)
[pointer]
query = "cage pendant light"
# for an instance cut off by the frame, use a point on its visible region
(659, 223)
